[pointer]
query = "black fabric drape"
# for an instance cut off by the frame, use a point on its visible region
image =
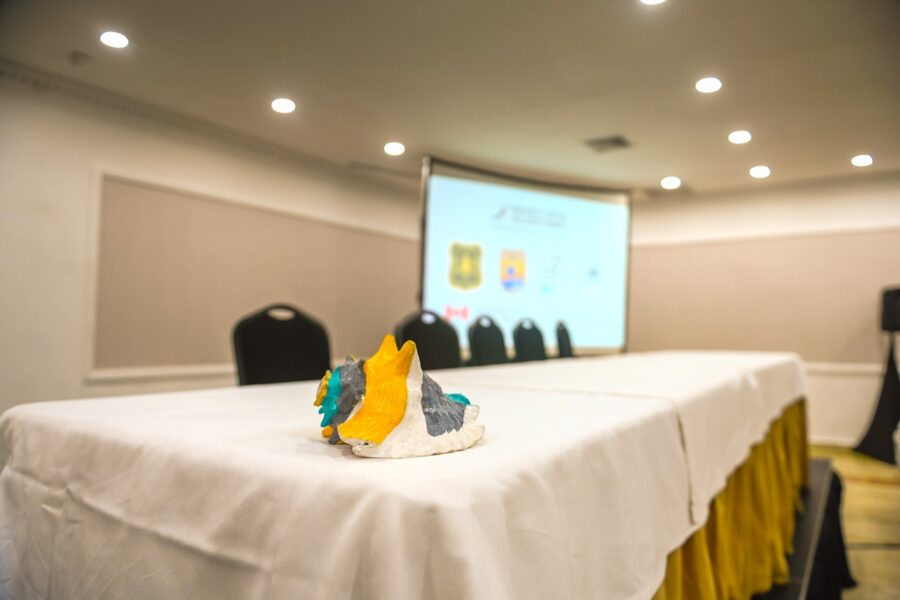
(831, 571)
(879, 439)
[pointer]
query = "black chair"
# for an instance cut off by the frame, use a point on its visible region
(529, 341)
(279, 343)
(435, 339)
(563, 341)
(486, 344)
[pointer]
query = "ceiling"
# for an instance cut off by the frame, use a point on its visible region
(514, 85)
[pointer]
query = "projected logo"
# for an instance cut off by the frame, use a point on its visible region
(465, 266)
(512, 270)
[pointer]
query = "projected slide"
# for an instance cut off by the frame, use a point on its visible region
(512, 253)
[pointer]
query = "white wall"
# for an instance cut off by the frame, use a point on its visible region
(842, 395)
(858, 203)
(51, 152)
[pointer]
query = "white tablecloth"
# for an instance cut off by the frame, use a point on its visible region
(574, 492)
(725, 400)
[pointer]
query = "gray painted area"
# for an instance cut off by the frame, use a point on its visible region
(441, 413)
(353, 387)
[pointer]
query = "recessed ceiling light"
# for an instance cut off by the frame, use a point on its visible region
(113, 39)
(394, 148)
(652, 2)
(861, 160)
(283, 105)
(670, 183)
(739, 137)
(760, 172)
(708, 85)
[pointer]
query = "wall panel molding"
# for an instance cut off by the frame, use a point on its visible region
(160, 373)
(817, 295)
(175, 270)
(763, 237)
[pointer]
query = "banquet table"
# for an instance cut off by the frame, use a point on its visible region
(591, 472)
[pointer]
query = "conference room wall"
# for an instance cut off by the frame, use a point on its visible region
(53, 151)
(790, 267)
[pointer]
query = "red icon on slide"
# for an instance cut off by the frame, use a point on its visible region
(451, 312)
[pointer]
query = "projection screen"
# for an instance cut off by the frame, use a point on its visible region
(515, 249)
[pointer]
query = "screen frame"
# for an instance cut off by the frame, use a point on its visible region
(429, 161)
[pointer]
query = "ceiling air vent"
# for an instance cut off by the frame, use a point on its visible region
(610, 142)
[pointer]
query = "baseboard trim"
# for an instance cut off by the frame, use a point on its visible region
(843, 369)
(163, 372)
(166, 373)
(832, 440)
(841, 400)
(210, 371)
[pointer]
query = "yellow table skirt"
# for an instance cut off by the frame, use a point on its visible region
(743, 547)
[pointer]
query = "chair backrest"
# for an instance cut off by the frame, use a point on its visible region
(486, 344)
(279, 343)
(435, 338)
(563, 341)
(529, 341)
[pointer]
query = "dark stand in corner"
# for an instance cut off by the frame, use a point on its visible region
(879, 439)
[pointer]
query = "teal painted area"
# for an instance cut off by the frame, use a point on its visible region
(330, 401)
(459, 398)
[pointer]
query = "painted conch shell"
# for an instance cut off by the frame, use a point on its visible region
(386, 407)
